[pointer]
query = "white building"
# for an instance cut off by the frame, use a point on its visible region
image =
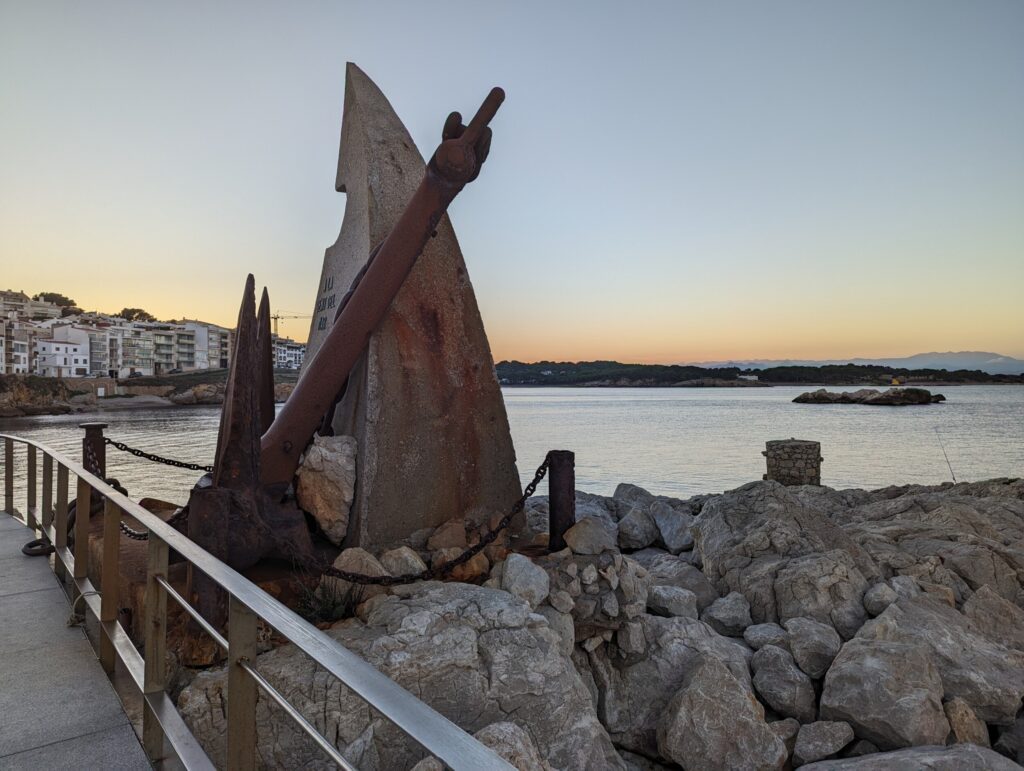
(63, 358)
(288, 354)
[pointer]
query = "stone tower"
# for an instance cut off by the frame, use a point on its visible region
(424, 402)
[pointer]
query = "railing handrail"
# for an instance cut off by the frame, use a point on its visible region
(428, 728)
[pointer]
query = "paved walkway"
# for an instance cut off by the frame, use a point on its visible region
(58, 710)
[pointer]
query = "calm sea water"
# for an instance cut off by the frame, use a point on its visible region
(674, 441)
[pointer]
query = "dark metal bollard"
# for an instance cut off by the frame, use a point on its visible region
(561, 496)
(94, 449)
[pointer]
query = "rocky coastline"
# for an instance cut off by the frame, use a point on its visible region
(768, 627)
(893, 397)
(26, 396)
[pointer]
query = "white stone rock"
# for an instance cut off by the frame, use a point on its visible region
(590, 536)
(401, 561)
(525, 580)
(326, 483)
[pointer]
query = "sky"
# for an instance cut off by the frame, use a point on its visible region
(668, 181)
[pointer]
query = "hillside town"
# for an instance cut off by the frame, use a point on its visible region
(38, 337)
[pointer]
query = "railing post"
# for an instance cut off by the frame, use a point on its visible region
(94, 449)
(30, 494)
(82, 505)
(47, 512)
(561, 496)
(60, 522)
(9, 476)
(155, 630)
(109, 582)
(241, 748)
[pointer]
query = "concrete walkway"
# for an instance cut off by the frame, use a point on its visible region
(58, 710)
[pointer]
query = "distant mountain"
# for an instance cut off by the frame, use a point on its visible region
(992, 363)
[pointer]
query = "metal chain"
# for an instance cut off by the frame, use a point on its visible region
(181, 515)
(447, 567)
(93, 464)
(155, 458)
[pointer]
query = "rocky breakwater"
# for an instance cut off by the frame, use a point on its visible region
(893, 397)
(765, 628)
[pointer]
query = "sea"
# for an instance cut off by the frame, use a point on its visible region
(671, 441)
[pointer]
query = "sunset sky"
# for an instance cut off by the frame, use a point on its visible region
(668, 182)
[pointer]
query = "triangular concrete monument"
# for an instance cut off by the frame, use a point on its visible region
(424, 402)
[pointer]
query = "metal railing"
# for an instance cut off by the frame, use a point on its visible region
(247, 603)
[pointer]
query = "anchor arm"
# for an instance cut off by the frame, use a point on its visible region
(455, 163)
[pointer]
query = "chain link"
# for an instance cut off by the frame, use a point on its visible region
(355, 578)
(447, 567)
(155, 458)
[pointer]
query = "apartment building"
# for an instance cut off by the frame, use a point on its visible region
(35, 339)
(288, 354)
(25, 307)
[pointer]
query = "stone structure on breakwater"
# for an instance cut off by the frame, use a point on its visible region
(793, 461)
(423, 402)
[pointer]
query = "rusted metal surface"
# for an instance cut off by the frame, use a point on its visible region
(94, 449)
(265, 363)
(561, 496)
(456, 162)
(229, 513)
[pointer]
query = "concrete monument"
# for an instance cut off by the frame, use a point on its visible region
(423, 401)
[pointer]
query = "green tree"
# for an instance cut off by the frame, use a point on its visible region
(56, 298)
(135, 314)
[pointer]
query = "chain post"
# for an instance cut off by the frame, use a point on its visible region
(561, 497)
(9, 476)
(30, 495)
(94, 449)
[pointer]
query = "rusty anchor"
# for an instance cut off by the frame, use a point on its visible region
(241, 513)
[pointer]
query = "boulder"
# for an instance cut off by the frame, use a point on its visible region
(786, 730)
(673, 526)
(525, 580)
(326, 484)
(714, 722)
(959, 757)
(635, 689)
(513, 744)
(637, 530)
(997, 618)
(814, 645)
(878, 598)
(590, 536)
(449, 535)
(672, 601)
(986, 675)
(669, 570)
(1011, 740)
(402, 561)
(478, 656)
(353, 560)
(782, 685)
(728, 615)
(964, 724)
(890, 692)
(475, 568)
(759, 635)
(817, 741)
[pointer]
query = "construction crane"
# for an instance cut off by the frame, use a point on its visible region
(277, 316)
